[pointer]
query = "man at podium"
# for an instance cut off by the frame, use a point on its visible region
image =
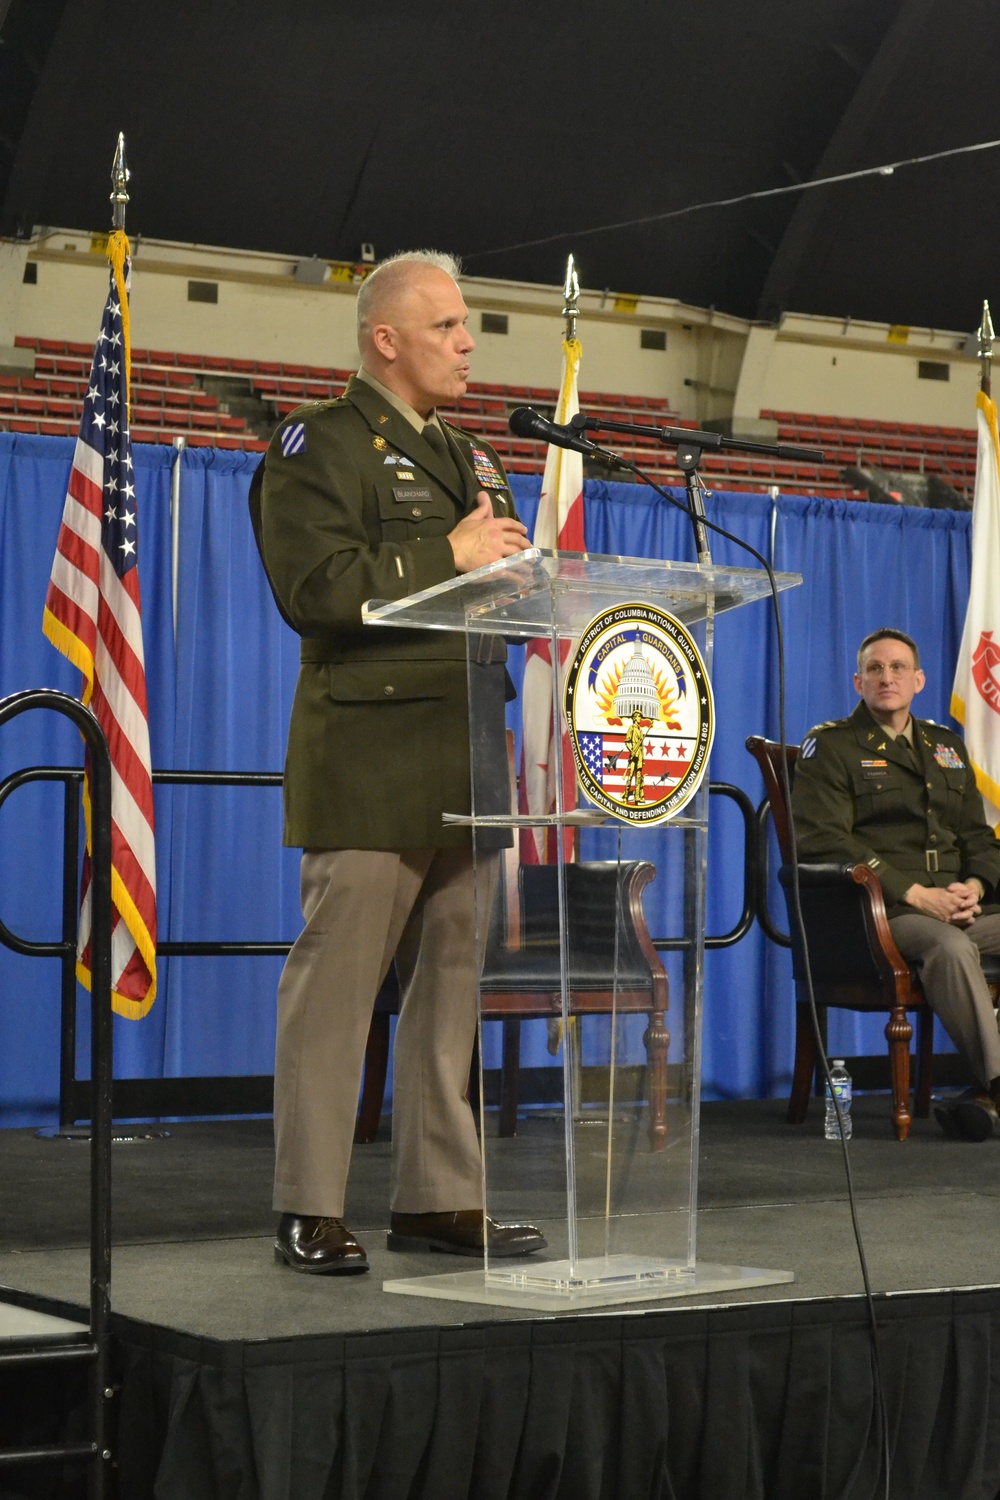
(374, 496)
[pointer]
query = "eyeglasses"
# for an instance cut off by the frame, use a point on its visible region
(894, 668)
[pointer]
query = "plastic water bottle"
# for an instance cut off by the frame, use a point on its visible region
(841, 1080)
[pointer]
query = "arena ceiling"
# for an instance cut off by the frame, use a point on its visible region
(311, 126)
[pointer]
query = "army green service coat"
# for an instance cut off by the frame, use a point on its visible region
(858, 798)
(355, 505)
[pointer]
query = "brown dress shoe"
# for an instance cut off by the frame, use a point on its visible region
(461, 1233)
(318, 1245)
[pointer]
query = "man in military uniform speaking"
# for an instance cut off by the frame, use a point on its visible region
(897, 793)
(373, 496)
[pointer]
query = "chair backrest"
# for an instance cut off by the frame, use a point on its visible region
(767, 754)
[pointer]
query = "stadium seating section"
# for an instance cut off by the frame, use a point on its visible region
(212, 401)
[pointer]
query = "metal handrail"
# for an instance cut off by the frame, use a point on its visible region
(96, 1452)
(65, 948)
(745, 921)
(763, 912)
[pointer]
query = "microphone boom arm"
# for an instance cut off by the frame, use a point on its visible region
(715, 440)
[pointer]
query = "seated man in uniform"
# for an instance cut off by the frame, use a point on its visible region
(897, 793)
(373, 496)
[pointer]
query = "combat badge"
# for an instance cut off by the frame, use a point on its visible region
(640, 713)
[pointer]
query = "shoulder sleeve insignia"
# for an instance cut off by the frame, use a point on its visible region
(293, 439)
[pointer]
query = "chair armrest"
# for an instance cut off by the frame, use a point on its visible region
(847, 930)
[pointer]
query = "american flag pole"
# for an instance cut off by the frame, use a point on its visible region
(93, 615)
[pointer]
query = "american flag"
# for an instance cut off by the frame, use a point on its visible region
(606, 758)
(93, 615)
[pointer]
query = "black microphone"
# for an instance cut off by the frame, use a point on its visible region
(525, 422)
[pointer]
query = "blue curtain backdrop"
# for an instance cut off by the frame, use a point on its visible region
(219, 700)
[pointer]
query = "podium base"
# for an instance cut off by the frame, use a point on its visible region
(563, 1286)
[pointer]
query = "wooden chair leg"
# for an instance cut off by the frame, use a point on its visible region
(925, 1062)
(373, 1087)
(898, 1033)
(657, 1040)
(805, 1064)
(510, 1077)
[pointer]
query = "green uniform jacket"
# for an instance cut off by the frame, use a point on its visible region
(355, 505)
(857, 798)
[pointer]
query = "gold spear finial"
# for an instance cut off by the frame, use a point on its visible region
(571, 296)
(985, 349)
(120, 175)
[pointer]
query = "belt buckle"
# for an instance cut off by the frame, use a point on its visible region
(931, 859)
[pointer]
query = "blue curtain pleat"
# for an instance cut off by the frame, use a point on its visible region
(232, 881)
(221, 700)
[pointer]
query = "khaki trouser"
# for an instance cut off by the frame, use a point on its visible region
(953, 982)
(362, 908)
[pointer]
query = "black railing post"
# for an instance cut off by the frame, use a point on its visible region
(101, 1074)
(70, 931)
(101, 1069)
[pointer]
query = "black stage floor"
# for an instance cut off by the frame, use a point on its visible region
(231, 1364)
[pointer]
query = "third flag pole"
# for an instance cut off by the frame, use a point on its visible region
(558, 525)
(975, 698)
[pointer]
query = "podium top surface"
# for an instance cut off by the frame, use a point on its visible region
(540, 592)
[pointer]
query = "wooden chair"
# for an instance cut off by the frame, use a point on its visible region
(521, 974)
(854, 960)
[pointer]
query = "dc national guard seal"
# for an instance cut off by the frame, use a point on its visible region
(640, 713)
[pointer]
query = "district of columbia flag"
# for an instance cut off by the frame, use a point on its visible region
(975, 698)
(93, 615)
(558, 524)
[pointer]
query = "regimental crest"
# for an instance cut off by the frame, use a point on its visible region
(640, 713)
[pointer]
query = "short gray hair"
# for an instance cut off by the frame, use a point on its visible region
(390, 274)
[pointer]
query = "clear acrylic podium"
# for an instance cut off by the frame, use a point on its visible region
(614, 1192)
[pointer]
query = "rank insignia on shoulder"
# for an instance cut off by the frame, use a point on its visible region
(379, 442)
(808, 747)
(293, 439)
(948, 756)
